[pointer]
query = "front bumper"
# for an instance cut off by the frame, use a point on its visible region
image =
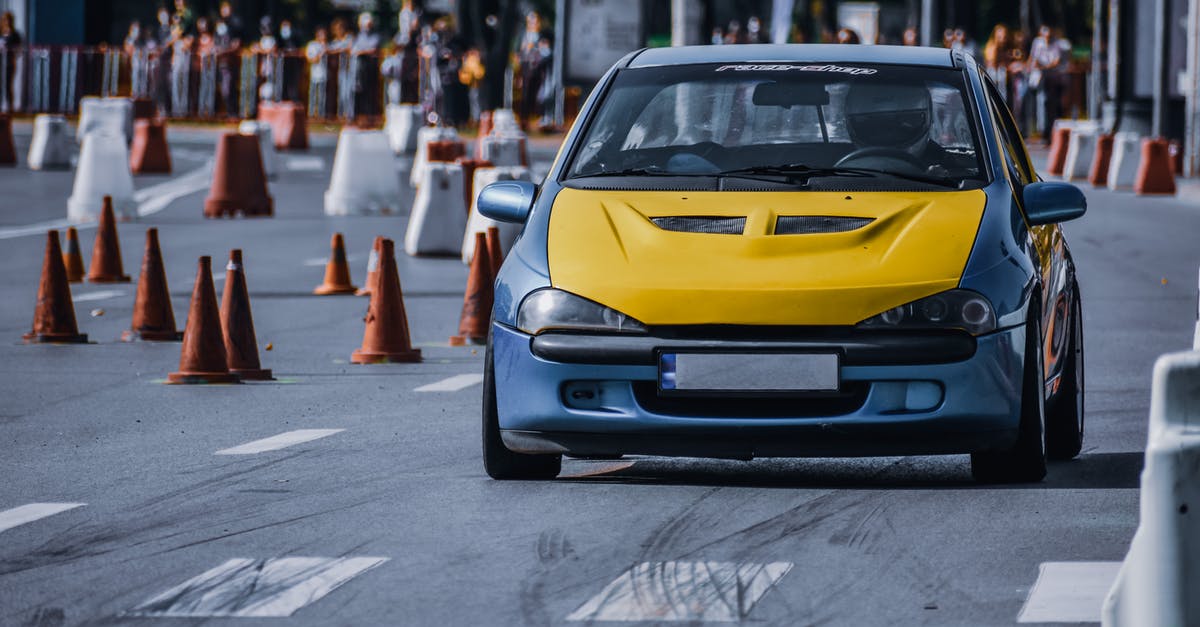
(968, 403)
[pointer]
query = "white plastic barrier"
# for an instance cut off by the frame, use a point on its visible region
(103, 171)
(266, 144)
(501, 150)
(1081, 148)
(112, 114)
(1159, 581)
(1127, 152)
(424, 136)
(438, 217)
(401, 124)
(505, 121)
(51, 145)
(478, 223)
(364, 179)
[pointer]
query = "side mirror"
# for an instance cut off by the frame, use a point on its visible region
(1052, 202)
(507, 201)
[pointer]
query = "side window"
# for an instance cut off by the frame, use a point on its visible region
(1014, 146)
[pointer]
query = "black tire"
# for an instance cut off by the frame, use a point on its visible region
(1065, 412)
(1025, 462)
(498, 461)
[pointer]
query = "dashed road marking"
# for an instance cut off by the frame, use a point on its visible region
(683, 591)
(98, 295)
(18, 516)
(305, 164)
(249, 587)
(1069, 592)
(452, 384)
(276, 442)
(321, 261)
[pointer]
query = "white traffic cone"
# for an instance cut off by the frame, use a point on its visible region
(112, 114)
(402, 121)
(266, 145)
(424, 136)
(438, 217)
(478, 223)
(364, 177)
(103, 170)
(51, 146)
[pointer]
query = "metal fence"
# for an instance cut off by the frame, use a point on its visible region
(338, 86)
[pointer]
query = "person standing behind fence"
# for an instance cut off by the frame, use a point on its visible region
(181, 43)
(318, 73)
(471, 75)
(292, 64)
(365, 68)
(1048, 70)
(10, 44)
(997, 55)
(531, 59)
(227, 41)
(340, 48)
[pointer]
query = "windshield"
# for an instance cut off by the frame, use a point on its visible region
(808, 126)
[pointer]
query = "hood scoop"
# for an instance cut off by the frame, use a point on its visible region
(812, 225)
(701, 224)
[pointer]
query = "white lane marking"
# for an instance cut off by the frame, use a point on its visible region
(321, 261)
(247, 587)
(151, 200)
(1069, 592)
(17, 516)
(683, 591)
(276, 442)
(305, 164)
(98, 295)
(452, 384)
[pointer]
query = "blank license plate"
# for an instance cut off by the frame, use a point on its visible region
(748, 372)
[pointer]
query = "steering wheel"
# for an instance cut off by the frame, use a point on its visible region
(895, 154)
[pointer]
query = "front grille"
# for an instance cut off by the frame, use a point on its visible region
(701, 224)
(811, 225)
(852, 397)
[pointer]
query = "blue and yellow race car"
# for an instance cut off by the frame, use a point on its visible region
(787, 250)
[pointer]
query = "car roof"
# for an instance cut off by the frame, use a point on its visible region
(806, 53)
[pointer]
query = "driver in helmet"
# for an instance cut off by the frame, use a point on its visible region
(890, 122)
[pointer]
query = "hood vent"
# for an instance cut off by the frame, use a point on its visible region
(812, 225)
(701, 224)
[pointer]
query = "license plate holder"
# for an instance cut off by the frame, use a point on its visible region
(760, 373)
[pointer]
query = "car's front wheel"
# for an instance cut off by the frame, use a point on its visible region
(1064, 414)
(1026, 460)
(498, 461)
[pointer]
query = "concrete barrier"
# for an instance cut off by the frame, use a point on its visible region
(501, 150)
(1081, 147)
(364, 179)
(103, 171)
(266, 144)
(426, 135)
(438, 217)
(477, 223)
(1159, 579)
(1127, 151)
(112, 114)
(51, 145)
(401, 124)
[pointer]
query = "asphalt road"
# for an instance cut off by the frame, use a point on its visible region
(404, 527)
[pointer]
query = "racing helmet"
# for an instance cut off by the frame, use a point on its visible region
(888, 115)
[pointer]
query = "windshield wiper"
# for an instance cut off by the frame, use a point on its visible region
(638, 172)
(802, 170)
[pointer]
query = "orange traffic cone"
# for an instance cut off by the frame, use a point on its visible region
(54, 316)
(385, 339)
(239, 183)
(477, 301)
(106, 252)
(202, 359)
(337, 271)
(494, 250)
(72, 258)
(1057, 159)
(1098, 174)
(149, 153)
(153, 316)
(241, 347)
(372, 267)
(8, 152)
(1154, 173)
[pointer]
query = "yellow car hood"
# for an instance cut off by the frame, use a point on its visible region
(604, 246)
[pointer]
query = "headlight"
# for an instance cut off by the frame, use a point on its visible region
(954, 309)
(549, 308)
